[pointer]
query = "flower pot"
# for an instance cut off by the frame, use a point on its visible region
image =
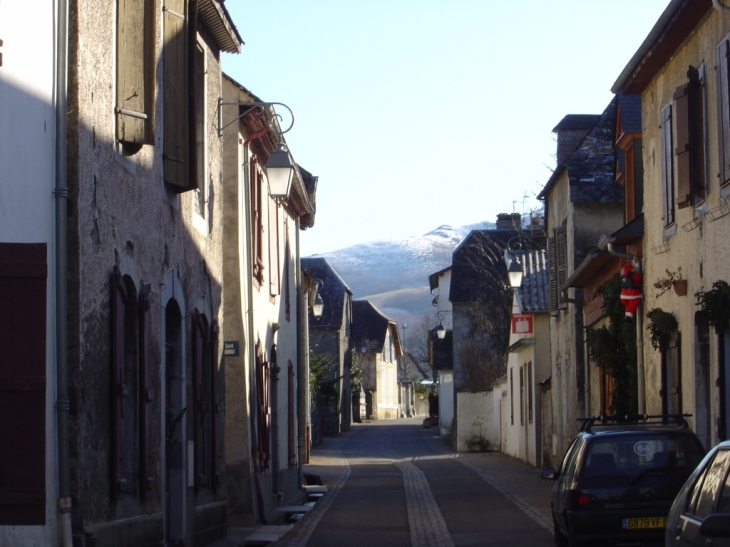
(680, 287)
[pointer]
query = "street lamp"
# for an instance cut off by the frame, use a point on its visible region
(279, 172)
(318, 306)
(514, 269)
(440, 331)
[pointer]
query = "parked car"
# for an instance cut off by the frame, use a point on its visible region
(619, 477)
(701, 512)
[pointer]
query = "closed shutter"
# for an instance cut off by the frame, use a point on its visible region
(134, 73)
(257, 223)
(118, 385)
(553, 277)
(667, 158)
(291, 424)
(275, 287)
(695, 98)
(675, 374)
(216, 407)
(176, 138)
(723, 111)
(682, 145)
(147, 395)
(561, 250)
(23, 274)
(199, 349)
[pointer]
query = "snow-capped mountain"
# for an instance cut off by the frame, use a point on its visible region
(393, 274)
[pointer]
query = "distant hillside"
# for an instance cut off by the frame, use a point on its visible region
(393, 274)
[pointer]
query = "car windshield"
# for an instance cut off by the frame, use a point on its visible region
(634, 455)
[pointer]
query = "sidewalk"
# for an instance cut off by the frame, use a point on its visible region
(515, 479)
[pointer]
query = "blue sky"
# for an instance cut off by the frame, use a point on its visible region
(418, 113)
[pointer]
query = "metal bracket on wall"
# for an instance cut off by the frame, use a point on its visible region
(251, 106)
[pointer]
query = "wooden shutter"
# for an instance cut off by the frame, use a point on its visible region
(118, 384)
(561, 250)
(667, 158)
(682, 145)
(200, 404)
(275, 286)
(675, 373)
(291, 423)
(257, 223)
(723, 110)
(134, 71)
(216, 407)
(23, 273)
(287, 279)
(147, 395)
(553, 277)
(176, 138)
(696, 105)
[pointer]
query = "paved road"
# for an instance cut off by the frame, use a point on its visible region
(395, 484)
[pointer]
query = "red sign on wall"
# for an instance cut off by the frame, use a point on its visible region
(521, 323)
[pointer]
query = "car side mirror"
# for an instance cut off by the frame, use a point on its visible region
(548, 473)
(716, 526)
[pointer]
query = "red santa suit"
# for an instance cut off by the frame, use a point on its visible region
(631, 294)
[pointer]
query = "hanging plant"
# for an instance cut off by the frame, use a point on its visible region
(661, 326)
(664, 284)
(716, 304)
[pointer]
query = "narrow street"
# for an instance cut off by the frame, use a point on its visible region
(396, 484)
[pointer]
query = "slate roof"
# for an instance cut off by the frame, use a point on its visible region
(333, 291)
(591, 167)
(630, 112)
(478, 266)
(577, 121)
(369, 324)
(534, 293)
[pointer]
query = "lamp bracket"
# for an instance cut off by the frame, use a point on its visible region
(515, 243)
(255, 105)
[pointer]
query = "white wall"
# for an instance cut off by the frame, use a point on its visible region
(482, 419)
(27, 178)
(446, 401)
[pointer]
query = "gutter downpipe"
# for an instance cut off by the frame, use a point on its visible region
(61, 198)
(639, 338)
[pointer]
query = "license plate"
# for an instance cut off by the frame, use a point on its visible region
(644, 522)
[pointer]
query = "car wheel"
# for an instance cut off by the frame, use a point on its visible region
(560, 539)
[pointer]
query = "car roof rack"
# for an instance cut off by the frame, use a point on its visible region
(586, 424)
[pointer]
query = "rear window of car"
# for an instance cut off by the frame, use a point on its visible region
(632, 454)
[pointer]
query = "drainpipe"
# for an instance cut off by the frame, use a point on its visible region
(61, 198)
(639, 339)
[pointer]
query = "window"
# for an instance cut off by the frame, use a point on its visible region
(23, 278)
(257, 228)
(690, 140)
(702, 496)
(723, 110)
(134, 82)
(667, 164)
(287, 278)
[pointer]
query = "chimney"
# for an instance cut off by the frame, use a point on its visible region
(571, 131)
(509, 221)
